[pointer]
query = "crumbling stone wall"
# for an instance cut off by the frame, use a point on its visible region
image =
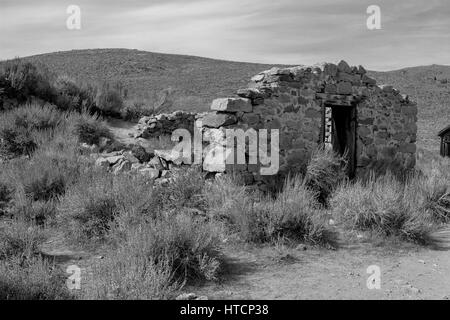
(164, 124)
(293, 100)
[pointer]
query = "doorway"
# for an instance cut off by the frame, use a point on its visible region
(340, 133)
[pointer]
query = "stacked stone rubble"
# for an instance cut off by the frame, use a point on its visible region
(164, 124)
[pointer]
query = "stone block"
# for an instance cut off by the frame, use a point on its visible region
(344, 87)
(368, 80)
(216, 120)
(313, 113)
(232, 105)
(330, 69)
(408, 148)
(344, 67)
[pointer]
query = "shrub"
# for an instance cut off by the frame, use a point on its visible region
(39, 181)
(45, 187)
(6, 196)
(19, 239)
(294, 213)
(222, 194)
(430, 195)
(23, 274)
(127, 274)
(19, 128)
(99, 200)
(190, 245)
(324, 172)
(90, 130)
(73, 97)
(136, 110)
(89, 207)
(387, 206)
(109, 101)
(39, 212)
(156, 251)
(184, 191)
(21, 80)
(34, 279)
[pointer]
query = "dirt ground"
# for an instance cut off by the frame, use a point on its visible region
(304, 272)
(264, 273)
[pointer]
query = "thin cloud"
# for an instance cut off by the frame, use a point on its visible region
(285, 31)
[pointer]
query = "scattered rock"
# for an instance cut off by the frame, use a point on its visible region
(187, 296)
(88, 147)
(115, 159)
(155, 162)
(165, 173)
(411, 290)
(102, 162)
(150, 173)
(172, 156)
(258, 78)
(138, 166)
(122, 167)
(130, 157)
(141, 154)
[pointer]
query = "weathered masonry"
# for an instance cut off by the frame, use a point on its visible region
(373, 126)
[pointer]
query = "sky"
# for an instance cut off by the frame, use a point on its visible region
(413, 32)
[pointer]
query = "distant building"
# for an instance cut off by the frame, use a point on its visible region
(445, 141)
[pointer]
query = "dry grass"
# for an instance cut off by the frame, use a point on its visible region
(324, 172)
(23, 274)
(294, 213)
(412, 210)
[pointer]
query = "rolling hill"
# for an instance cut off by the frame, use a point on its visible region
(195, 81)
(192, 80)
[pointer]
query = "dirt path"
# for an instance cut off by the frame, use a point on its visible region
(122, 129)
(265, 273)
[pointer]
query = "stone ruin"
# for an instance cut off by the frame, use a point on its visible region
(338, 106)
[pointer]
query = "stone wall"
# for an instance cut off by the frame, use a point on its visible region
(164, 124)
(293, 100)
